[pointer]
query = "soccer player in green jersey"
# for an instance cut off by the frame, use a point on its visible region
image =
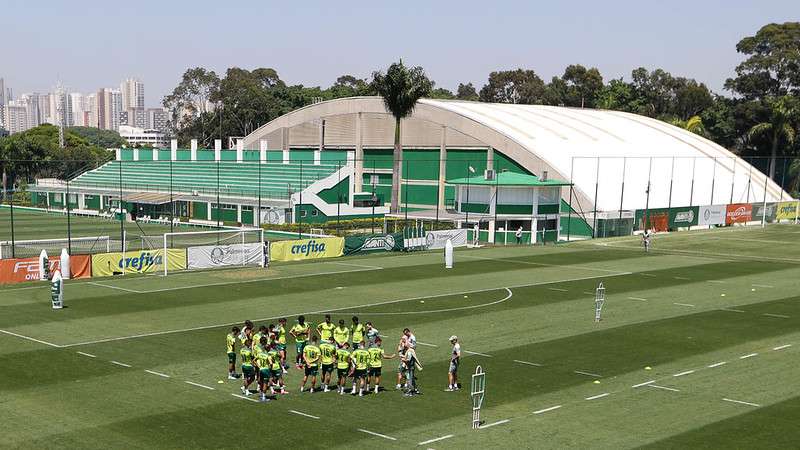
(230, 341)
(264, 363)
(301, 331)
(276, 369)
(358, 332)
(311, 355)
(248, 372)
(376, 357)
(280, 340)
(325, 329)
(342, 365)
(328, 353)
(262, 331)
(341, 334)
(360, 358)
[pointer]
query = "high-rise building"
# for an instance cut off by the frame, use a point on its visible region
(16, 117)
(132, 91)
(109, 107)
(32, 108)
(77, 108)
(90, 112)
(157, 119)
(61, 107)
(136, 117)
(2, 103)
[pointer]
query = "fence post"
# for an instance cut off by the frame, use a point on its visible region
(749, 182)
(121, 217)
(671, 178)
(647, 191)
(764, 203)
(569, 210)
(733, 178)
(691, 192)
(622, 189)
(596, 186)
(713, 179)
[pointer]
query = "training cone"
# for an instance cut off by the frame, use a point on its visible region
(220, 381)
(596, 381)
(648, 368)
(722, 295)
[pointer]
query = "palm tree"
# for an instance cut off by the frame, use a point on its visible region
(400, 88)
(779, 127)
(693, 125)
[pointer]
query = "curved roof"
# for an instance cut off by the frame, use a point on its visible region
(599, 150)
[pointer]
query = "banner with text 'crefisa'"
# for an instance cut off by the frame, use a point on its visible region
(302, 249)
(786, 211)
(145, 261)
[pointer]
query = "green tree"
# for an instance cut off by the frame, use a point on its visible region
(401, 87)
(772, 67)
(582, 85)
(99, 138)
(442, 94)
(350, 86)
(779, 128)
(466, 92)
(513, 86)
(190, 105)
(694, 125)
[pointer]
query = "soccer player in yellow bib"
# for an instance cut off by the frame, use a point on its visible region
(328, 353)
(301, 331)
(248, 371)
(264, 363)
(341, 334)
(311, 355)
(358, 333)
(376, 357)
(276, 369)
(325, 329)
(230, 341)
(342, 365)
(280, 341)
(360, 363)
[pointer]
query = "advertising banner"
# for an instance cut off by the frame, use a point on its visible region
(738, 213)
(27, 269)
(759, 209)
(209, 256)
(303, 249)
(786, 211)
(711, 215)
(683, 217)
(437, 239)
(145, 261)
(665, 219)
(373, 243)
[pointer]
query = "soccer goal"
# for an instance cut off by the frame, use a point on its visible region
(194, 250)
(78, 245)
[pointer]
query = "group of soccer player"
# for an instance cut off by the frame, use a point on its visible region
(355, 352)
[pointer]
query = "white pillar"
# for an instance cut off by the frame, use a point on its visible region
(239, 213)
(262, 150)
(491, 231)
(351, 157)
(208, 213)
(442, 166)
(239, 150)
(81, 201)
(155, 153)
(285, 145)
(118, 151)
(135, 154)
(318, 151)
(173, 148)
(217, 149)
(489, 158)
(317, 157)
(359, 156)
(194, 149)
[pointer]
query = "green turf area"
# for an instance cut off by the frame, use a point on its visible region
(714, 315)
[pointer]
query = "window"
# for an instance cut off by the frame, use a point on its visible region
(374, 179)
(247, 208)
(73, 198)
(303, 213)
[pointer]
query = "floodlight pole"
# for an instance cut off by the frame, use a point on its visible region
(713, 179)
(121, 218)
(622, 189)
(569, 210)
(69, 222)
(596, 187)
(300, 204)
(171, 202)
(764, 205)
(13, 241)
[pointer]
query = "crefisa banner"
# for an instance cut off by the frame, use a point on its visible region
(711, 215)
(107, 264)
(437, 239)
(786, 211)
(209, 256)
(738, 213)
(302, 249)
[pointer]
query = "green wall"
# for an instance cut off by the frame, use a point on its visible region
(503, 162)
(200, 210)
(331, 195)
(458, 162)
(421, 164)
(205, 155)
(92, 201)
(251, 155)
(377, 159)
(304, 155)
(418, 194)
(333, 157)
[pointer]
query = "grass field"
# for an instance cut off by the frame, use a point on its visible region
(139, 362)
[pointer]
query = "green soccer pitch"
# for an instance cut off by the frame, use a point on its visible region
(699, 346)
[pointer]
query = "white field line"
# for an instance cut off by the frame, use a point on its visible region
(732, 310)
(646, 383)
(499, 422)
(684, 304)
(21, 336)
(245, 398)
(748, 356)
(303, 414)
(476, 353)
(363, 266)
(595, 397)
(708, 255)
(780, 316)
(590, 374)
(640, 299)
(741, 402)
(558, 289)
(426, 344)
(157, 373)
(95, 283)
(648, 275)
(721, 363)
(716, 281)
(781, 347)
(688, 372)
(86, 354)
(663, 387)
(542, 411)
(588, 293)
(682, 278)
(403, 313)
(531, 263)
(527, 363)
(377, 434)
(322, 311)
(199, 385)
(430, 441)
(120, 363)
(763, 286)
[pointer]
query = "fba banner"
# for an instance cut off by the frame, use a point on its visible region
(711, 215)
(208, 256)
(738, 213)
(27, 269)
(106, 264)
(306, 249)
(786, 211)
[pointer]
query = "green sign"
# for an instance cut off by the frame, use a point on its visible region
(373, 243)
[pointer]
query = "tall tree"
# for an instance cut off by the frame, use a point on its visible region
(583, 85)
(191, 99)
(350, 86)
(466, 92)
(442, 93)
(779, 128)
(401, 87)
(513, 86)
(772, 67)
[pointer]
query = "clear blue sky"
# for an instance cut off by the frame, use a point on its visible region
(90, 44)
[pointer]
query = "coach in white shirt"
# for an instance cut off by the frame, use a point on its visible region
(455, 358)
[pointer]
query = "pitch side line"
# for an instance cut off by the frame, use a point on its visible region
(507, 297)
(708, 255)
(95, 283)
(322, 311)
(21, 336)
(531, 263)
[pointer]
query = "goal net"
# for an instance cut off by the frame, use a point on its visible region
(210, 249)
(78, 246)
